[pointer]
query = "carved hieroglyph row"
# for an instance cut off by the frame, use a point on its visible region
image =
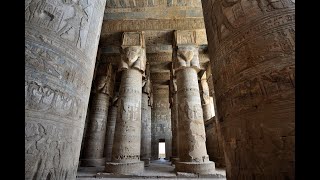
(251, 46)
(151, 24)
(45, 99)
(61, 45)
(143, 5)
(71, 26)
(41, 61)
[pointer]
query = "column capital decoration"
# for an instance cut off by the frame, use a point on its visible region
(187, 50)
(133, 52)
(104, 80)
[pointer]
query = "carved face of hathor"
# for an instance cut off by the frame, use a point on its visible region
(185, 54)
(132, 53)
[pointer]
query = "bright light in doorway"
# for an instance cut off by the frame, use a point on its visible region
(162, 149)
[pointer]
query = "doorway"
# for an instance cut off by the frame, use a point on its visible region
(162, 149)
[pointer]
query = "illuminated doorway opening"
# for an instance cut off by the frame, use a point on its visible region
(162, 149)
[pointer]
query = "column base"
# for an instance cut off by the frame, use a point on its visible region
(146, 161)
(174, 160)
(195, 167)
(93, 162)
(134, 168)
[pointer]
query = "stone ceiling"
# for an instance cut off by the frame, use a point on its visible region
(158, 19)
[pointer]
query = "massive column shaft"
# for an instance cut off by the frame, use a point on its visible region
(252, 52)
(111, 125)
(61, 40)
(192, 138)
(95, 136)
(146, 120)
(127, 138)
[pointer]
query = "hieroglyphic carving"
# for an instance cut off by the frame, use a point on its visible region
(68, 19)
(158, 37)
(152, 24)
(53, 149)
(185, 37)
(253, 76)
(42, 60)
(43, 98)
(192, 111)
(129, 110)
(219, 19)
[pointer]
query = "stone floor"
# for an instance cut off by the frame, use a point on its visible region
(158, 169)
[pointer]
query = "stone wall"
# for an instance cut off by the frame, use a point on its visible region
(160, 121)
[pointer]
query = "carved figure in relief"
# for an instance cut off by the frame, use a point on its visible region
(133, 57)
(219, 19)
(146, 86)
(40, 98)
(111, 3)
(75, 24)
(187, 56)
(101, 84)
(269, 5)
(192, 110)
(130, 110)
(31, 7)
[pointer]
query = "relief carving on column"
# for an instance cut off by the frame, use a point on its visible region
(133, 51)
(104, 81)
(187, 54)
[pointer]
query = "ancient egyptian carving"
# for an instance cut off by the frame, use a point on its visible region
(218, 17)
(44, 145)
(146, 86)
(269, 5)
(133, 57)
(130, 110)
(192, 111)
(187, 56)
(102, 85)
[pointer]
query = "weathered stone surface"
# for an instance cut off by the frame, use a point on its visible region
(213, 143)
(146, 104)
(111, 124)
(206, 101)
(127, 138)
(192, 148)
(61, 39)
(174, 118)
(161, 120)
(96, 133)
(252, 50)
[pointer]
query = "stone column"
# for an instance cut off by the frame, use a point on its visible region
(206, 101)
(146, 105)
(252, 52)
(127, 138)
(192, 138)
(174, 119)
(111, 124)
(61, 42)
(96, 132)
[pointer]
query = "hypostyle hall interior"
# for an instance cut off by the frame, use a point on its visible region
(159, 89)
